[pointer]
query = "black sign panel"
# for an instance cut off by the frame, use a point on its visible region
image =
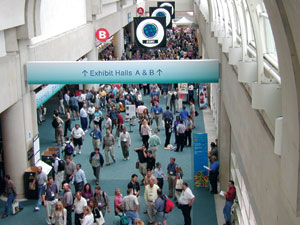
(168, 4)
(165, 12)
(150, 32)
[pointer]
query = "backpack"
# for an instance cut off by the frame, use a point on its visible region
(173, 97)
(61, 165)
(169, 205)
(124, 220)
(69, 149)
(55, 124)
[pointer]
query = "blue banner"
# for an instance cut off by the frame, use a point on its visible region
(200, 160)
(46, 93)
(110, 72)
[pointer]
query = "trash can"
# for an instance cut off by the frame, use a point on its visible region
(28, 180)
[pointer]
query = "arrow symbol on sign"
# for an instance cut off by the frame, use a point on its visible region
(159, 71)
(85, 72)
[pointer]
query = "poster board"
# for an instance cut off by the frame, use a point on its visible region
(130, 112)
(200, 148)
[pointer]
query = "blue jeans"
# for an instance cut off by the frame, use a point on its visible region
(226, 211)
(132, 216)
(39, 202)
(8, 205)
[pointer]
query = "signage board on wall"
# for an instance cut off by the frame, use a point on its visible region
(102, 34)
(165, 12)
(46, 93)
(168, 4)
(140, 10)
(150, 32)
(200, 160)
(112, 72)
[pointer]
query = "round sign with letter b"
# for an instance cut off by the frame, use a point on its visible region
(102, 34)
(140, 11)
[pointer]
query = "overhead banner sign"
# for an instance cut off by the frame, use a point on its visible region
(165, 12)
(150, 32)
(135, 71)
(168, 4)
(46, 93)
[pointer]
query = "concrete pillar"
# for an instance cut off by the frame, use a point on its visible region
(14, 144)
(199, 38)
(92, 56)
(118, 43)
(132, 32)
(224, 147)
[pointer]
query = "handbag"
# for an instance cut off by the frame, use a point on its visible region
(15, 207)
(137, 165)
(196, 113)
(100, 221)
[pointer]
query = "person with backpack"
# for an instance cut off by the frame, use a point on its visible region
(58, 170)
(97, 161)
(68, 148)
(102, 200)
(121, 218)
(161, 208)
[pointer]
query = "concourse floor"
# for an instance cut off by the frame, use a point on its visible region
(118, 175)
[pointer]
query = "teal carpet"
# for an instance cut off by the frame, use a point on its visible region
(118, 175)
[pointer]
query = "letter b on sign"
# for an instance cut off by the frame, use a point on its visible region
(102, 34)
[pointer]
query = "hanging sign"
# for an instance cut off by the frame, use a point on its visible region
(150, 32)
(102, 34)
(162, 12)
(168, 4)
(140, 10)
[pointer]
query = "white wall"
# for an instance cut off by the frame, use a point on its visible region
(9, 8)
(59, 16)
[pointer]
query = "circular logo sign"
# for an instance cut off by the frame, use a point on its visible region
(150, 33)
(102, 34)
(140, 10)
(169, 5)
(161, 12)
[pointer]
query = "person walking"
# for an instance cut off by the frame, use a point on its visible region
(157, 112)
(145, 133)
(168, 131)
(159, 175)
(130, 204)
(213, 174)
(188, 132)
(57, 125)
(67, 201)
(154, 142)
(58, 171)
(125, 142)
(230, 196)
(11, 192)
(180, 136)
(102, 200)
(186, 201)
(142, 156)
(70, 168)
(77, 136)
(108, 146)
(84, 117)
(49, 198)
(192, 112)
(67, 122)
(79, 179)
(97, 161)
(59, 215)
(120, 124)
(159, 206)
(91, 110)
(96, 135)
(78, 206)
(39, 180)
(171, 176)
(150, 196)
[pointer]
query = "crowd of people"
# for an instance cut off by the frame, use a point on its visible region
(98, 113)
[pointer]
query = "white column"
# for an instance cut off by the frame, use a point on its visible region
(15, 144)
(118, 43)
(224, 147)
(132, 32)
(92, 56)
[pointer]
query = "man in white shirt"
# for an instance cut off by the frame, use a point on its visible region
(77, 135)
(84, 117)
(125, 142)
(150, 196)
(108, 123)
(91, 110)
(186, 201)
(79, 204)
